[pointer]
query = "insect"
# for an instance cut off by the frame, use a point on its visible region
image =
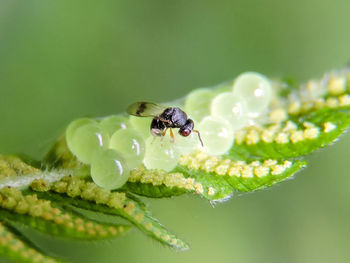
(164, 118)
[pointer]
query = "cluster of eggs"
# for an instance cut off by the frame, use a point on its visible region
(115, 144)
(220, 112)
(107, 146)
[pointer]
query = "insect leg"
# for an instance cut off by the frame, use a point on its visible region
(154, 139)
(172, 137)
(163, 120)
(199, 137)
(163, 134)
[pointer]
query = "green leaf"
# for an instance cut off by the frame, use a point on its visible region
(213, 178)
(292, 139)
(48, 195)
(17, 248)
(155, 183)
(41, 215)
(87, 195)
(11, 166)
(240, 175)
(60, 157)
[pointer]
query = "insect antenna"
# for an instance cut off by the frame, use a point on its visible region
(199, 137)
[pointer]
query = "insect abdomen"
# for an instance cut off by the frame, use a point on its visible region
(157, 126)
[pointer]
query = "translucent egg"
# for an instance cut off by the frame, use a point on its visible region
(130, 144)
(109, 169)
(73, 126)
(231, 108)
(186, 145)
(113, 123)
(255, 88)
(223, 88)
(278, 88)
(142, 125)
(197, 103)
(160, 154)
(87, 140)
(217, 135)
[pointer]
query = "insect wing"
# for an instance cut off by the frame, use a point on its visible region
(145, 109)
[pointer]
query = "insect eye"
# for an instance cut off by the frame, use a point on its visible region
(185, 132)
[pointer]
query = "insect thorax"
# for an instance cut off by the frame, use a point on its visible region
(176, 116)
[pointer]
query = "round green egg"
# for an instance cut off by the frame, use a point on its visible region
(87, 140)
(217, 135)
(141, 124)
(231, 108)
(109, 169)
(161, 154)
(73, 126)
(197, 103)
(130, 144)
(256, 89)
(113, 123)
(186, 145)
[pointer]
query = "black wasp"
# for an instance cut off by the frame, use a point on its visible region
(164, 118)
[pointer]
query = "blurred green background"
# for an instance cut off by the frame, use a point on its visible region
(60, 60)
